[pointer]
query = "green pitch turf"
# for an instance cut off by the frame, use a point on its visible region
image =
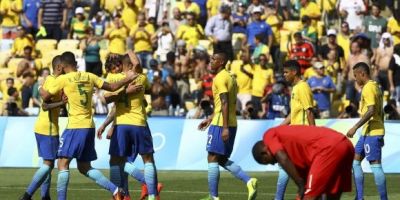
(178, 185)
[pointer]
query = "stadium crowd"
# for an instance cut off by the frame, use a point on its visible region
(174, 41)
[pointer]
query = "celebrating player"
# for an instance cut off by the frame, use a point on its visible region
(77, 141)
(318, 159)
(131, 134)
(222, 132)
(301, 104)
(370, 144)
(46, 132)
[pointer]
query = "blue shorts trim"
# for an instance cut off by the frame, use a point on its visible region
(79, 144)
(215, 144)
(47, 146)
(370, 147)
(130, 140)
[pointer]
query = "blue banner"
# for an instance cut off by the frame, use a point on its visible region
(179, 145)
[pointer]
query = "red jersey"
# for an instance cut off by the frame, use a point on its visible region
(304, 50)
(301, 143)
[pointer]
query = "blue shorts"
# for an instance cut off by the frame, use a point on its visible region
(128, 140)
(216, 145)
(79, 144)
(47, 146)
(370, 147)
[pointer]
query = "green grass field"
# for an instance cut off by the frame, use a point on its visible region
(178, 185)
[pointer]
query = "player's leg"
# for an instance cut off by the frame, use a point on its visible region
(45, 188)
(120, 147)
(63, 177)
(283, 180)
(373, 151)
(357, 170)
(137, 174)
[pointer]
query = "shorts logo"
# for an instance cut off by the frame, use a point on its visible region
(209, 139)
(61, 144)
(367, 149)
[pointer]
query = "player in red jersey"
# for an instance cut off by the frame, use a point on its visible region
(318, 159)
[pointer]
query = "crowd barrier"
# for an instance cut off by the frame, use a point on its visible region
(179, 145)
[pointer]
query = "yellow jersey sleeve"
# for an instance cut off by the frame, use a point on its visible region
(58, 85)
(221, 84)
(97, 81)
(305, 96)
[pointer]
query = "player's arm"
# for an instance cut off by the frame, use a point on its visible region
(225, 115)
(110, 118)
(288, 166)
(112, 87)
(286, 121)
(364, 119)
(249, 74)
(53, 105)
(310, 117)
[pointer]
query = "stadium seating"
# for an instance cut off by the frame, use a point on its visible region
(6, 44)
(13, 65)
(3, 58)
(68, 45)
(45, 45)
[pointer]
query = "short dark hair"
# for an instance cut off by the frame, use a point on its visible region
(259, 37)
(11, 91)
(112, 61)
(10, 79)
(292, 65)
(44, 69)
(28, 74)
(68, 58)
(223, 57)
(28, 48)
(257, 151)
(171, 56)
(305, 18)
(363, 67)
(55, 62)
(191, 14)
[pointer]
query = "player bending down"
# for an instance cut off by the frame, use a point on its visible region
(222, 132)
(46, 132)
(318, 159)
(77, 141)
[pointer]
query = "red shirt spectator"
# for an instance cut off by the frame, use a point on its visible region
(206, 85)
(302, 51)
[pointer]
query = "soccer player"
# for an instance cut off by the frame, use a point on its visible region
(46, 132)
(222, 132)
(318, 159)
(131, 134)
(370, 144)
(77, 141)
(301, 103)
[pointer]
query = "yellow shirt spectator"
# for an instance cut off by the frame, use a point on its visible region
(142, 38)
(244, 81)
(327, 5)
(274, 21)
(224, 83)
(10, 11)
(344, 42)
(47, 121)
(129, 16)
(261, 79)
(191, 34)
(310, 72)
(213, 7)
(20, 43)
(301, 100)
(371, 95)
(79, 28)
(111, 5)
(394, 29)
(312, 10)
(193, 7)
(117, 39)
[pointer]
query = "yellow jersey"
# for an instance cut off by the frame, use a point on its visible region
(213, 6)
(117, 39)
(47, 121)
(192, 8)
(311, 10)
(224, 82)
(191, 34)
(310, 72)
(344, 42)
(301, 100)
(20, 43)
(243, 80)
(371, 95)
(142, 41)
(274, 21)
(78, 87)
(394, 26)
(129, 16)
(130, 108)
(261, 78)
(113, 78)
(111, 5)
(11, 18)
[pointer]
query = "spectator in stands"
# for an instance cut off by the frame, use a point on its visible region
(382, 60)
(79, 25)
(176, 21)
(393, 27)
(276, 103)
(240, 19)
(21, 41)
(28, 63)
(27, 89)
(111, 7)
(130, 13)
(258, 26)
(257, 5)
(309, 32)
(302, 51)
(263, 76)
(30, 16)
(182, 54)
(374, 26)
(250, 112)
(99, 24)
(202, 19)
(182, 73)
(202, 110)
(99, 102)
(274, 19)
(260, 49)
(10, 11)
(244, 78)
(322, 87)
(13, 104)
(4, 86)
(352, 11)
(141, 35)
(219, 31)
(35, 93)
(206, 85)
(365, 44)
(312, 10)
(91, 49)
(157, 10)
(165, 41)
(159, 92)
(394, 73)
(188, 6)
(333, 66)
(117, 35)
(324, 50)
(191, 32)
(52, 19)
(212, 7)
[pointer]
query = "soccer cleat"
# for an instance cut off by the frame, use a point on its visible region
(159, 188)
(127, 197)
(210, 198)
(119, 195)
(144, 193)
(252, 188)
(25, 196)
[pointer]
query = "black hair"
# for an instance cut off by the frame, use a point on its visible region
(305, 18)
(68, 59)
(11, 91)
(257, 151)
(191, 14)
(10, 79)
(28, 48)
(55, 62)
(112, 61)
(363, 67)
(292, 65)
(223, 57)
(259, 37)
(44, 69)
(171, 56)
(28, 74)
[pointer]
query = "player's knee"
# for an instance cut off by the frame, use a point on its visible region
(83, 168)
(116, 160)
(49, 163)
(148, 158)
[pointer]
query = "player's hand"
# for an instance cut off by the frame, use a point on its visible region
(351, 132)
(135, 88)
(300, 192)
(110, 132)
(131, 75)
(65, 99)
(225, 134)
(100, 132)
(204, 124)
(133, 58)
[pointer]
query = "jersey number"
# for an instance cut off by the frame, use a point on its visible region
(83, 92)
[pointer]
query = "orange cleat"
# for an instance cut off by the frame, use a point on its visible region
(127, 197)
(159, 188)
(144, 193)
(119, 195)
